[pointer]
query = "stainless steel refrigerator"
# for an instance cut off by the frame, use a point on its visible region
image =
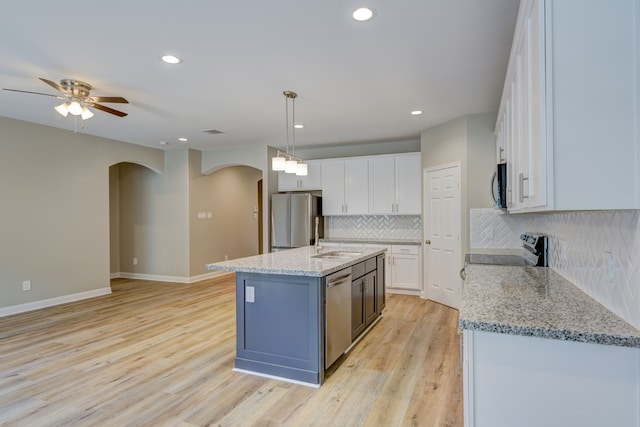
(293, 220)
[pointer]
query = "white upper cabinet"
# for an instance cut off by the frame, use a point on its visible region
(395, 184)
(569, 120)
(293, 182)
(345, 184)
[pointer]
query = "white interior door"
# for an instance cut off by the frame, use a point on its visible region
(442, 210)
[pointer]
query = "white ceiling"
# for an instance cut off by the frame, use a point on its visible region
(356, 82)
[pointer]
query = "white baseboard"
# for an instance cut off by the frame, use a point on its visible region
(30, 306)
(162, 278)
(403, 291)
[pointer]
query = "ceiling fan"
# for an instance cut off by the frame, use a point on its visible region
(76, 96)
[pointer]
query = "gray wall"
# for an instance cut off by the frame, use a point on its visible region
(256, 157)
(364, 149)
(469, 140)
(230, 194)
(154, 217)
(55, 209)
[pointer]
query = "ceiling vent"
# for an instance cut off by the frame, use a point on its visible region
(212, 131)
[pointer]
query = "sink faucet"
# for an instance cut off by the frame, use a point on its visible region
(318, 246)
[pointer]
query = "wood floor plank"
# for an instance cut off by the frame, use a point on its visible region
(162, 354)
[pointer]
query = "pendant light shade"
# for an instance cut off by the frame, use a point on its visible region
(291, 166)
(289, 162)
(278, 162)
(302, 169)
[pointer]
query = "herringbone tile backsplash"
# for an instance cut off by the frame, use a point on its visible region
(374, 226)
(597, 251)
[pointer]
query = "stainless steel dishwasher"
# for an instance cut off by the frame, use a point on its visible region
(337, 315)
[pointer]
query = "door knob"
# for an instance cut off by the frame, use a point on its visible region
(428, 242)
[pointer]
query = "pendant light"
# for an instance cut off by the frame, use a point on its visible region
(289, 162)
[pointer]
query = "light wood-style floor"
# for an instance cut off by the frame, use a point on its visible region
(161, 354)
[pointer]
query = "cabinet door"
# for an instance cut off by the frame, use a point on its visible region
(408, 188)
(357, 308)
(356, 193)
(529, 161)
(381, 296)
(313, 179)
(333, 178)
(288, 181)
(382, 185)
(369, 296)
(405, 272)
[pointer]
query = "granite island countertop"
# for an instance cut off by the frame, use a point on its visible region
(293, 262)
(538, 302)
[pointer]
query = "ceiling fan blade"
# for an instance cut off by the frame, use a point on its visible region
(108, 110)
(55, 85)
(117, 99)
(35, 93)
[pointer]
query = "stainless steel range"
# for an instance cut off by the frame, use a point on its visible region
(535, 253)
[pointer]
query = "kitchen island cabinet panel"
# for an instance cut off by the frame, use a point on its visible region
(282, 310)
(281, 331)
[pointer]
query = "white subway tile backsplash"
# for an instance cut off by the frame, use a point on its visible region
(374, 226)
(598, 251)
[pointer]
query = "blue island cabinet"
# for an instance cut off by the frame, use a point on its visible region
(279, 329)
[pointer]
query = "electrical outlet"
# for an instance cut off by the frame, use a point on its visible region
(250, 294)
(26, 285)
(610, 265)
(226, 257)
(135, 261)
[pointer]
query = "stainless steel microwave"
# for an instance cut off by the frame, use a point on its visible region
(499, 186)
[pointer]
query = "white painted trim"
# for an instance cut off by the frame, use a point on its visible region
(440, 167)
(35, 305)
(162, 278)
(414, 292)
(274, 377)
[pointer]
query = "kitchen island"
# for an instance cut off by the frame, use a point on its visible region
(281, 308)
(539, 351)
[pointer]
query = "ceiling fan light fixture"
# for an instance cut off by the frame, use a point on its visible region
(86, 113)
(63, 109)
(75, 108)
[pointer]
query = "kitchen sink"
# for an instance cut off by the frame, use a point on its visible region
(338, 255)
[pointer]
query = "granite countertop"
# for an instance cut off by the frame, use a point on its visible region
(293, 262)
(538, 302)
(371, 241)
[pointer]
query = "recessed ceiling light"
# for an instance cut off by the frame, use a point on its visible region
(363, 14)
(170, 59)
(164, 143)
(299, 126)
(416, 112)
(182, 139)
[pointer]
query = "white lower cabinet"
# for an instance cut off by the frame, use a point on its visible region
(405, 269)
(513, 380)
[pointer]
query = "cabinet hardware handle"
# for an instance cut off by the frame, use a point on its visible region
(428, 242)
(522, 179)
